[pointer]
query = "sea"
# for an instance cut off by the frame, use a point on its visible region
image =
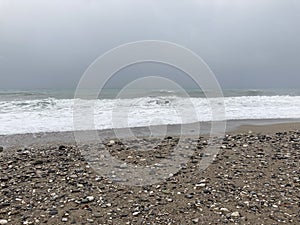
(35, 111)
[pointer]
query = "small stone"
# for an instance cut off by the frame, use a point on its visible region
(3, 221)
(111, 143)
(158, 156)
(165, 191)
(202, 185)
(61, 147)
(224, 210)
(247, 203)
(245, 145)
(206, 191)
(135, 213)
(53, 212)
(98, 179)
(97, 215)
(25, 152)
(235, 214)
(189, 196)
(90, 198)
(64, 219)
(38, 162)
(123, 166)
(4, 179)
(196, 220)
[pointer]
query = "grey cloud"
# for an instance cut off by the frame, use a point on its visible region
(49, 44)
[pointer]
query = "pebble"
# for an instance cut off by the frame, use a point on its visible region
(136, 213)
(62, 147)
(235, 214)
(228, 186)
(90, 198)
(123, 166)
(3, 221)
(98, 179)
(53, 212)
(196, 220)
(111, 143)
(200, 185)
(97, 215)
(189, 196)
(224, 210)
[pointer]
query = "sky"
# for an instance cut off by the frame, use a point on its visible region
(246, 43)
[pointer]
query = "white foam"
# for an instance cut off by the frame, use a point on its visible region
(51, 114)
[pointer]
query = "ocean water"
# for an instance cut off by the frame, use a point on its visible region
(52, 110)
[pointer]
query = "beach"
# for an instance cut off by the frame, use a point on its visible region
(149, 112)
(254, 179)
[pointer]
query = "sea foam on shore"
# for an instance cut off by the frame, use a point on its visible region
(54, 115)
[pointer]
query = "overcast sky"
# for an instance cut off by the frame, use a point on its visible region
(247, 43)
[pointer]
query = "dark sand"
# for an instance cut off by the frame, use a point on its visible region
(255, 179)
(42, 139)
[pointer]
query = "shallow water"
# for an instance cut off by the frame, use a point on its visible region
(52, 111)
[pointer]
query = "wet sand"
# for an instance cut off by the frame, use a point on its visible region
(41, 139)
(255, 179)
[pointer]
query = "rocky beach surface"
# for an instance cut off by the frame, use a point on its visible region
(254, 179)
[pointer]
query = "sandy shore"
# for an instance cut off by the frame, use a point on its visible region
(255, 179)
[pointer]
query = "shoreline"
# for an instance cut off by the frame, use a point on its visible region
(67, 137)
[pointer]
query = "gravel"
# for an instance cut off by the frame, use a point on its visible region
(255, 179)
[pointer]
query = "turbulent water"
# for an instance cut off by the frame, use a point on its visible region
(45, 111)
